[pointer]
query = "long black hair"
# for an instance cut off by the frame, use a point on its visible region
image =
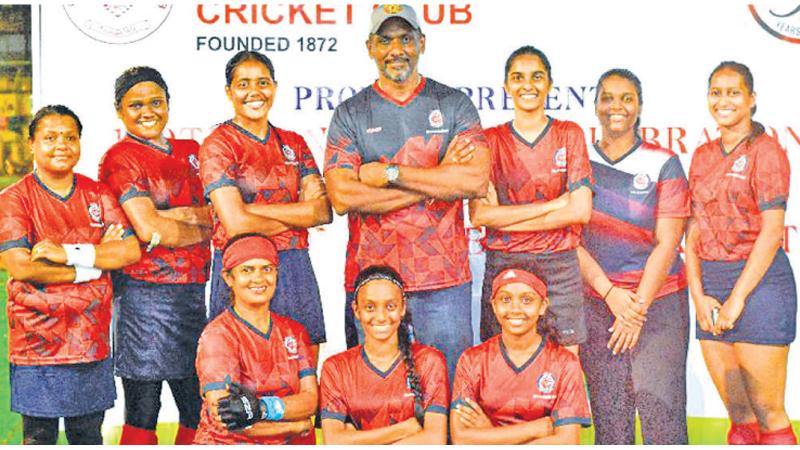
(747, 76)
(405, 334)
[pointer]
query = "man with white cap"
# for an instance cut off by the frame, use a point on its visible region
(401, 156)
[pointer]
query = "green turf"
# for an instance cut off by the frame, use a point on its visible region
(701, 430)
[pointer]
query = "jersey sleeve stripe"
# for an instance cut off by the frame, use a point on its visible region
(132, 193)
(777, 203)
(582, 182)
(128, 233)
(439, 409)
(17, 243)
(457, 402)
(214, 386)
(326, 414)
(222, 182)
(582, 421)
(306, 373)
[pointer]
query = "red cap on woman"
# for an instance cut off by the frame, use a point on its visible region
(509, 276)
(246, 248)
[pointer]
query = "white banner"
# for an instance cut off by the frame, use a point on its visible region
(320, 59)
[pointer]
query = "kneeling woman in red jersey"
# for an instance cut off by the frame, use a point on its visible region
(59, 235)
(160, 301)
(519, 386)
(256, 370)
(388, 390)
(740, 279)
(540, 194)
(263, 179)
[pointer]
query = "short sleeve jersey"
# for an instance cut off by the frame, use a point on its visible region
(232, 350)
(352, 389)
(548, 384)
(265, 171)
(170, 177)
(527, 172)
(425, 242)
(61, 323)
(729, 192)
(630, 195)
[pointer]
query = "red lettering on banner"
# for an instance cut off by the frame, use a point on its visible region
(426, 15)
(203, 18)
(593, 134)
(258, 12)
(320, 20)
(455, 12)
(459, 15)
(707, 135)
(650, 140)
(299, 9)
(670, 137)
(793, 134)
(238, 11)
(277, 20)
(786, 230)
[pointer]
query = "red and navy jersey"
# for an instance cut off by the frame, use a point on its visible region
(352, 389)
(630, 195)
(425, 242)
(729, 192)
(265, 172)
(548, 384)
(232, 350)
(170, 178)
(62, 323)
(527, 172)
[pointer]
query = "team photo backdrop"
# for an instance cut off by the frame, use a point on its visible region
(320, 60)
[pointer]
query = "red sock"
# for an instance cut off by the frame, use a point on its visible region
(778, 437)
(185, 435)
(137, 436)
(743, 434)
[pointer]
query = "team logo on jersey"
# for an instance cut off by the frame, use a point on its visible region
(290, 343)
(776, 19)
(436, 118)
(95, 215)
(739, 165)
(288, 153)
(641, 181)
(194, 162)
(546, 383)
(117, 24)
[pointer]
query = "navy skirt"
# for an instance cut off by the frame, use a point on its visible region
(770, 313)
(64, 390)
(156, 328)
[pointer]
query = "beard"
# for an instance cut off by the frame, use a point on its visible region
(401, 76)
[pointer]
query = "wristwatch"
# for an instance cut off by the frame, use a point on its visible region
(392, 173)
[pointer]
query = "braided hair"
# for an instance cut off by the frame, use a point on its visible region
(405, 334)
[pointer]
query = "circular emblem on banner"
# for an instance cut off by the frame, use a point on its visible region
(94, 212)
(290, 343)
(641, 181)
(546, 383)
(288, 153)
(739, 164)
(195, 163)
(779, 18)
(436, 119)
(117, 24)
(560, 157)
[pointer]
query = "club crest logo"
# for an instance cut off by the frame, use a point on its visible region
(546, 383)
(392, 9)
(194, 162)
(739, 165)
(290, 343)
(641, 181)
(94, 213)
(560, 157)
(436, 119)
(117, 24)
(776, 18)
(288, 153)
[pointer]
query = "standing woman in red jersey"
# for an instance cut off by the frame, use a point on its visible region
(160, 301)
(739, 276)
(387, 390)
(60, 233)
(263, 179)
(630, 263)
(256, 369)
(518, 387)
(540, 195)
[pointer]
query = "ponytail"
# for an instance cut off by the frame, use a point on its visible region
(405, 336)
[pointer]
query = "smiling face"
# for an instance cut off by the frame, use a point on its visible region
(380, 308)
(396, 48)
(617, 106)
(528, 83)
(729, 100)
(518, 308)
(251, 92)
(253, 282)
(144, 111)
(56, 146)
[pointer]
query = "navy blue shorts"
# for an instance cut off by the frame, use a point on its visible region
(770, 313)
(562, 275)
(63, 390)
(297, 294)
(156, 328)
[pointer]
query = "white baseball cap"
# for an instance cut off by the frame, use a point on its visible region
(382, 13)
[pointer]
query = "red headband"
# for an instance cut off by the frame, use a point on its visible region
(245, 249)
(509, 276)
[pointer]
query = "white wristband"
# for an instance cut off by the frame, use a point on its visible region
(84, 274)
(80, 254)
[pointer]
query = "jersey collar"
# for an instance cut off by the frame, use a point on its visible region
(538, 138)
(250, 135)
(52, 192)
(528, 362)
(167, 150)
(251, 326)
(375, 369)
(406, 102)
(636, 143)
